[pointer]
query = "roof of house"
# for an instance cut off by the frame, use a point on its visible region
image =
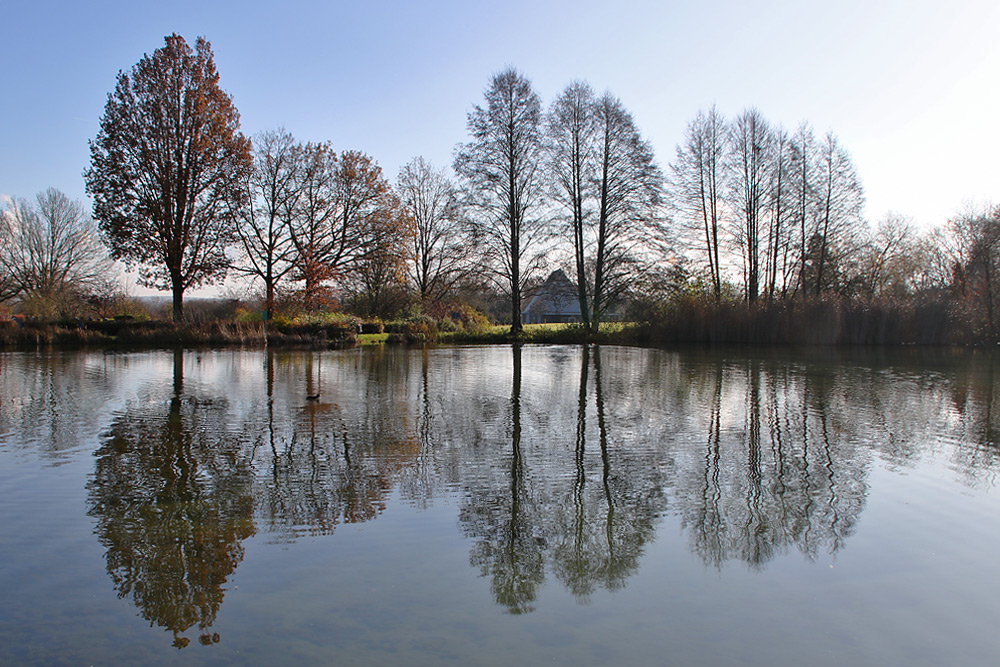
(557, 296)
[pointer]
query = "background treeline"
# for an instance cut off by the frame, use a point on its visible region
(752, 233)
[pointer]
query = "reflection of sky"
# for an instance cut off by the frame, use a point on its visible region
(840, 482)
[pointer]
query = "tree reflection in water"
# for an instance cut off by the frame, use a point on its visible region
(778, 469)
(590, 525)
(567, 475)
(613, 515)
(173, 500)
(333, 464)
(505, 519)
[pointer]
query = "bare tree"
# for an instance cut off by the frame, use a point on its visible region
(889, 259)
(51, 253)
(750, 165)
(935, 261)
(973, 239)
(628, 189)
(698, 186)
(166, 168)
(311, 216)
(779, 264)
(840, 202)
(607, 181)
(9, 287)
(371, 211)
(380, 276)
(441, 251)
(803, 178)
(265, 222)
(366, 213)
(500, 167)
(571, 133)
(345, 220)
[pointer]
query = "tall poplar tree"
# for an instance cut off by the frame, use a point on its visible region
(501, 170)
(698, 187)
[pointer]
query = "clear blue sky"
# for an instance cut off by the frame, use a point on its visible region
(911, 88)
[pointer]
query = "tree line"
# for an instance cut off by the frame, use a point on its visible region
(745, 211)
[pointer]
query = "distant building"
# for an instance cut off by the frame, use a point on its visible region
(555, 301)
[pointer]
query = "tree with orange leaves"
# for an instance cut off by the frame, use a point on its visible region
(166, 168)
(347, 227)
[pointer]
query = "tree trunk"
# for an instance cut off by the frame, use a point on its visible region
(268, 303)
(178, 301)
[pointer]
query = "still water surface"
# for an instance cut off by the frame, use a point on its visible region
(498, 505)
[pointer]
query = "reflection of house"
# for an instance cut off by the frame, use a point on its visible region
(555, 301)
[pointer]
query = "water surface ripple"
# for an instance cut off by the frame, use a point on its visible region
(498, 505)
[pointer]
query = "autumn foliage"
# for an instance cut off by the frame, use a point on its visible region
(166, 168)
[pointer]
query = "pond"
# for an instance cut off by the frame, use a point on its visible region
(500, 505)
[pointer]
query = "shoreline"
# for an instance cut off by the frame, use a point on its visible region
(153, 334)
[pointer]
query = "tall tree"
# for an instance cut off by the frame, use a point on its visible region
(264, 223)
(571, 133)
(166, 168)
(840, 201)
(750, 166)
(698, 186)
(369, 206)
(311, 216)
(974, 240)
(803, 176)
(779, 193)
(366, 219)
(609, 186)
(441, 252)
(628, 189)
(501, 169)
(8, 280)
(50, 253)
(346, 215)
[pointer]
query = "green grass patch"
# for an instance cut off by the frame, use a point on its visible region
(372, 339)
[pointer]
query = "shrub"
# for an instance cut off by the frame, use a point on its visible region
(246, 315)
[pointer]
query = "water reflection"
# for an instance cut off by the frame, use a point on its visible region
(783, 471)
(608, 518)
(51, 402)
(563, 461)
(329, 464)
(587, 515)
(173, 499)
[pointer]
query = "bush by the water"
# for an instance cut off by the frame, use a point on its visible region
(821, 321)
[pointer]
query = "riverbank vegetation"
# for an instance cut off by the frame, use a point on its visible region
(752, 234)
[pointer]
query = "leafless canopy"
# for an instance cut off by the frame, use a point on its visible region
(50, 250)
(697, 188)
(441, 251)
(501, 167)
(264, 222)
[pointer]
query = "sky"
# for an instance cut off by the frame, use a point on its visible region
(911, 88)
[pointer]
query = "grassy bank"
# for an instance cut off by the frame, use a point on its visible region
(157, 334)
(803, 322)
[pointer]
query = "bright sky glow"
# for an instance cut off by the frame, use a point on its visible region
(912, 88)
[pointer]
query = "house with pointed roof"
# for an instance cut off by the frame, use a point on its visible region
(555, 301)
